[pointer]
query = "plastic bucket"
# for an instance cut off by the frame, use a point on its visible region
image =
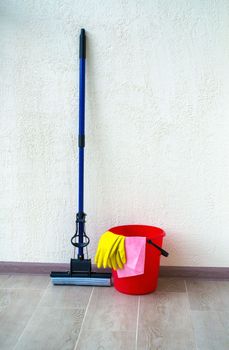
(147, 282)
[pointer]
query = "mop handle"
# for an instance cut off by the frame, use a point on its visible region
(81, 137)
(81, 140)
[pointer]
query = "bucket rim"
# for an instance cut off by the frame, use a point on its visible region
(160, 234)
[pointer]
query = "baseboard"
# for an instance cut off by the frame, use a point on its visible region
(31, 267)
(195, 272)
(165, 271)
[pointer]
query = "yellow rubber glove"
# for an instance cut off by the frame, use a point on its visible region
(118, 259)
(114, 261)
(107, 241)
(109, 256)
(111, 251)
(118, 262)
(122, 251)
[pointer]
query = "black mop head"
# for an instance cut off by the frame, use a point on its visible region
(80, 274)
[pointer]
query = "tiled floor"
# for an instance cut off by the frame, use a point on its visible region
(182, 314)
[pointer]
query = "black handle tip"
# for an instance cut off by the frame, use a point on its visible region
(82, 44)
(163, 252)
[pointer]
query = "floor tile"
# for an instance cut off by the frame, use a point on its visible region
(165, 322)
(16, 308)
(211, 329)
(34, 314)
(171, 284)
(66, 296)
(206, 295)
(112, 297)
(102, 340)
(27, 281)
(3, 279)
(52, 329)
(110, 311)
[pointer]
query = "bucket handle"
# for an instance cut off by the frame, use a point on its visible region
(163, 252)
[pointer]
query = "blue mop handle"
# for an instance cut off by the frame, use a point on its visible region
(81, 139)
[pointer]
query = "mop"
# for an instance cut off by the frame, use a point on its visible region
(80, 272)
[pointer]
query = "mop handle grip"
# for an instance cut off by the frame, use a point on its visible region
(82, 49)
(163, 252)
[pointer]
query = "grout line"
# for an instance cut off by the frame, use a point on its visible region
(185, 286)
(81, 328)
(190, 312)
(29, 320)
(137, 324)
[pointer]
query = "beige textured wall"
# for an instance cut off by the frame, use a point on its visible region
(156, 122)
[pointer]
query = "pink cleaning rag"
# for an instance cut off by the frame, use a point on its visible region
(135, 257)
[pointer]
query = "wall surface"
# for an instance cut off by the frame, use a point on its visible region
(156, 122)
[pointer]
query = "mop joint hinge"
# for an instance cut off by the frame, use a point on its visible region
(80, 267)
(81, 217)
(81, 141)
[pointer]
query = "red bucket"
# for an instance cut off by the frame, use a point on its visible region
(147, 282)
